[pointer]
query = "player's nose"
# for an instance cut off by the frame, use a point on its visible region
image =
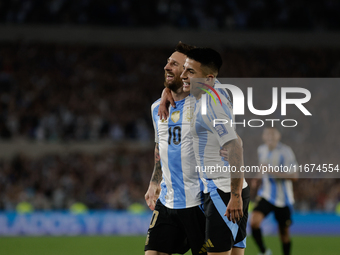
(167, 67)
(183, 76)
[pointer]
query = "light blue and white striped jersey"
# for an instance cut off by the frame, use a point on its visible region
(208, 141)
(278, 192)
(181, 185)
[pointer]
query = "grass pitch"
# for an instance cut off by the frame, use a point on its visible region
(133, 245)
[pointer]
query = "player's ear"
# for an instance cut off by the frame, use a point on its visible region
(210, 76)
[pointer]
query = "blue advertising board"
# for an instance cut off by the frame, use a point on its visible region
(65, 223)
(124, 223)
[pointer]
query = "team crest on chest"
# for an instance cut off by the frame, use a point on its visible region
(175, 116)
(189, 113)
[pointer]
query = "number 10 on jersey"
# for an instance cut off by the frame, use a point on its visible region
(175, 135)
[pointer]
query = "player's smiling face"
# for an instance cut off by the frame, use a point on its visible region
(192, 69)
(173, 70)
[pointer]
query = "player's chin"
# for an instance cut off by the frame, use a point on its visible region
(167, 84)
(186, 88)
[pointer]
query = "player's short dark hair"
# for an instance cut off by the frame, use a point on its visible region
(207, 57)
(183, 48)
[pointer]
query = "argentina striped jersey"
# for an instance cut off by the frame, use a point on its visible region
(278, 192)
(181, 185)
(209, 139)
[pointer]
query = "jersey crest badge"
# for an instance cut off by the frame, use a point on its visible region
(175, 116)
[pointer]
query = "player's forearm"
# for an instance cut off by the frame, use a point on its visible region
(165, 93)
(235, 161)
(157, 171)
(163, 111)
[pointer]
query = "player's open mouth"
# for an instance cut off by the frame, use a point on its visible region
(169, 77)
(186, 85)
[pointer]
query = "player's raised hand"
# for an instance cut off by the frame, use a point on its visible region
(234, 210)
(166, 98)
(163, 112)
(152, 195)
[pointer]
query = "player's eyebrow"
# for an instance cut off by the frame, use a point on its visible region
(173, 60)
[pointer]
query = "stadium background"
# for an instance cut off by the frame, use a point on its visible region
(77, 79)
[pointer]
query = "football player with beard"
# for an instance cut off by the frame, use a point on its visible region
(175, 189)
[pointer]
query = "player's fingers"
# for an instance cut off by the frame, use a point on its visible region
(151, 202)
(162, 112)
(152, 197)
(163, 115)
(226, 158)
(223, 153)
(152, 206)
(172, 102)
(232, 216)
(227, 213)
(240, 212)
(224, 150)
(237, 216)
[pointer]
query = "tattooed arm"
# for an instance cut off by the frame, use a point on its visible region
(154, 189)
(234, 210)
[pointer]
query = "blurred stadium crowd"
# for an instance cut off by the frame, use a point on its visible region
(53, 92)
(66, 93)
(112, 180)
(213, 14)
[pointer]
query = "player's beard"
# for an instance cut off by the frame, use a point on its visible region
(175, 84)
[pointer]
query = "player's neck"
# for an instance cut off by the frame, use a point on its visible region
(273, 147)
(200, 95)
(179, 94)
